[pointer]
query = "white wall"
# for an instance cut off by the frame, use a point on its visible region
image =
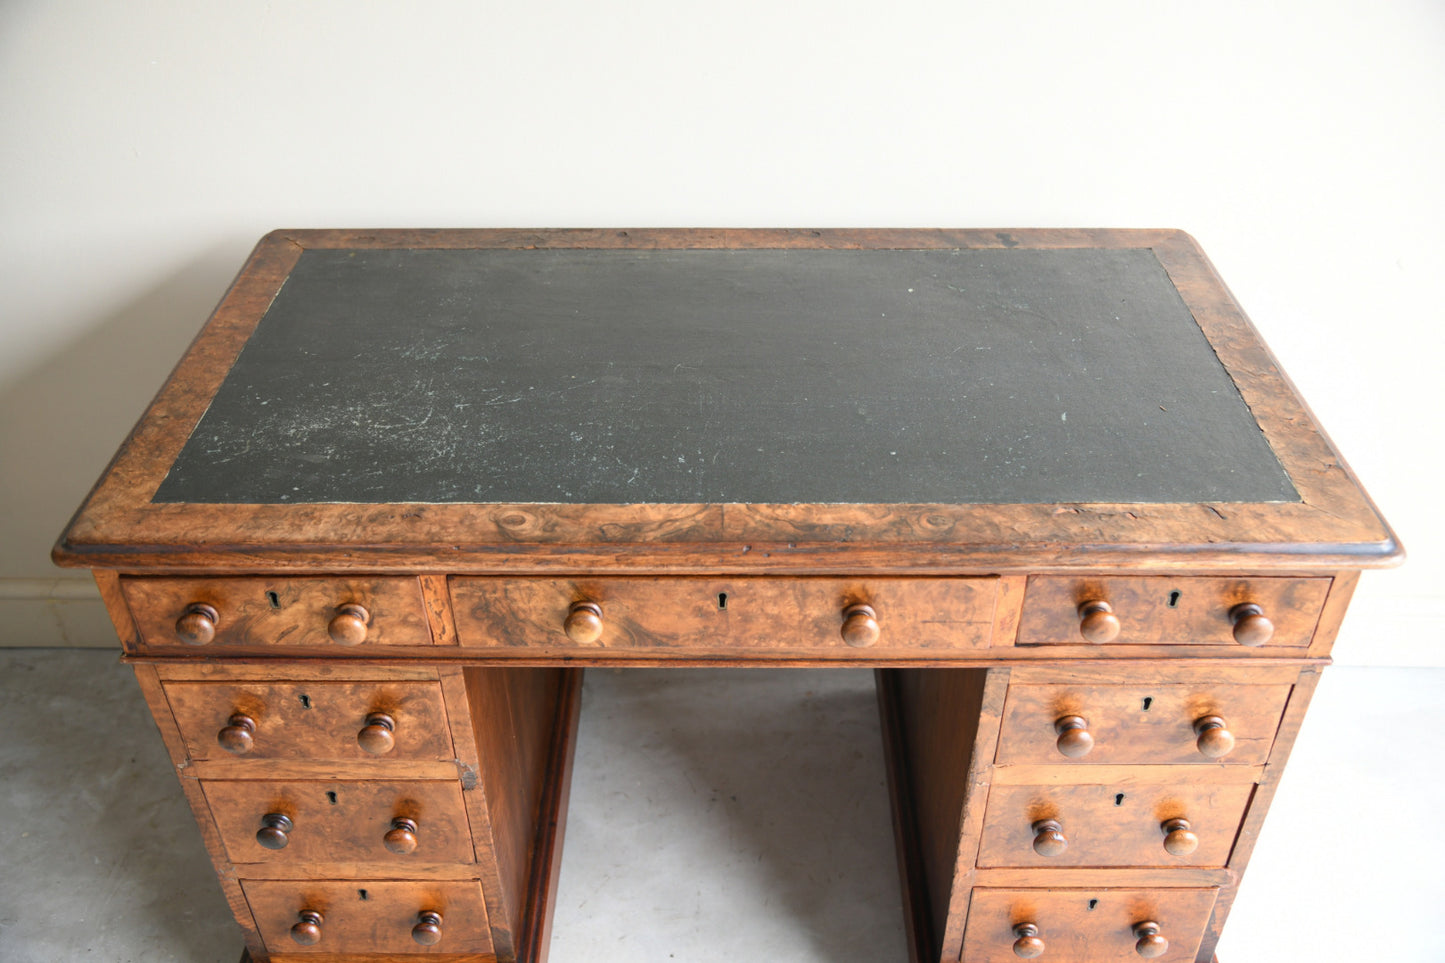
(146, 146)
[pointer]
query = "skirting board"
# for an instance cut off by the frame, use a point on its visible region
(53, 613)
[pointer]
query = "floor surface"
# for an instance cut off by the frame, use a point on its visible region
(715, 815)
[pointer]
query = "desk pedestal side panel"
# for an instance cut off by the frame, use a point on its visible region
(325, 830)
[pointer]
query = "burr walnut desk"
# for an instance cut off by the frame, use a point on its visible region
(405, 485)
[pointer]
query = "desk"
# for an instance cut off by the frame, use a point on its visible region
(405, 485)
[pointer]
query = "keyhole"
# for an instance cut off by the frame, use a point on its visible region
(1119, 799)
(1093, 903)
(331, 798)
(361, 893)
(1174, 598)
(1148, 701)
(305, 701)
(722, 600)
(274, 599)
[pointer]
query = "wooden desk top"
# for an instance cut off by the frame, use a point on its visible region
(727, 401)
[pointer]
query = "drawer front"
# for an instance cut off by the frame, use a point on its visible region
(1141, 725)
(345, 614)
(342, 821)
(1085, 925)
(1157, 610)
(314, 721)
(368, 917)
(1106, 825)
(760, 615)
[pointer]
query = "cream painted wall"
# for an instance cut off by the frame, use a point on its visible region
(145, 146)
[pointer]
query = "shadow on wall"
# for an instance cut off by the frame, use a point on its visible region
(63, 419)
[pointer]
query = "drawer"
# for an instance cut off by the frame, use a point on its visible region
(1157, 610)
(1140, 725)
(264, 821)
(313, 721)
(761, 615)
(1086, 925)
(1129, 824)
(340, 613)
(369, 917)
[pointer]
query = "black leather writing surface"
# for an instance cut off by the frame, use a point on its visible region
(1010, 376)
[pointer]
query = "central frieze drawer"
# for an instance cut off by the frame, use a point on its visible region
(758, 614)
(293, 821)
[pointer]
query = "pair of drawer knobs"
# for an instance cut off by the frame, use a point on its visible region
(377, 734)
(276, 828)
(1049, 838)
(1149, 943)
(197, 624)
(1098, 623)
(1212, 737)
(427, 931)
(584, 624)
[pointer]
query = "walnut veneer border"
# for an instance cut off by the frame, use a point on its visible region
(1334, 525)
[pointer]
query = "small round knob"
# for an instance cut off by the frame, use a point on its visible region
(584, 623)
(1215, 741)
(1179, 840)
(860, 626)
(428, 928)
(401, 838)
(376, 735)
(197, 625)
(274, 827)
(348, 626)
(1049, 837)
(1097, 622)
(1074, 738)
(307, 930)
(1251, 626)
(237, 735)
(1150, 944)
(1028, 945)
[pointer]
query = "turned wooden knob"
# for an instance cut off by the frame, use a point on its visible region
(1215, 741)
(1097, 622)
(1251, 626)
(348, 626)
(860, 626)
(1179, 840)
(1049, 837)
(401, 838)
(584, 623)
(428, 928)
(1074, 739)
(1150, 944)
(273, 831)
(197, 625)
(1028, 945)
(238, 734)
(307, 930)
(376, 735)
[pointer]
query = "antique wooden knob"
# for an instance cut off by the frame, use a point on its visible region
(348, 626)
(1074, 738)
(1150, 944)
(428, 928)
(584, 623)
(376, 735)
(860, 626)
(1097, 622)
(1215, 741)
(238, 734)
(1179, 839)
(273, 831)
(307, 930)
(1048, 837)
(197, 625)
(1251, 626)
(1028, 945)
(401, 838)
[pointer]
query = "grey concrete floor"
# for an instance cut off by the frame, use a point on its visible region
(715, 815)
